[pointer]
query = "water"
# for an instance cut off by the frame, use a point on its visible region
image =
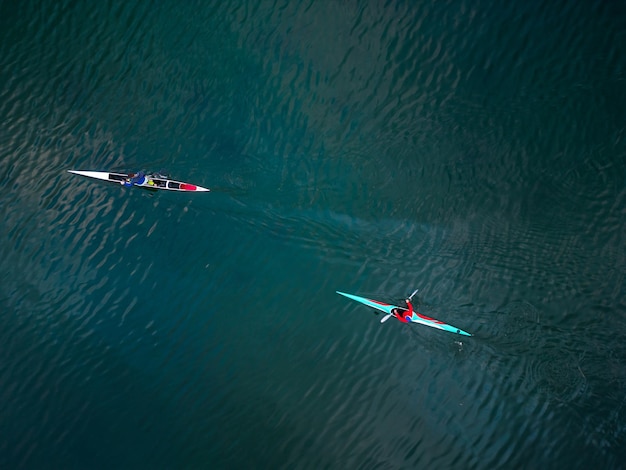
(470, 150)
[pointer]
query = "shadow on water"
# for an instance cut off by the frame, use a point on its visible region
(81, 390)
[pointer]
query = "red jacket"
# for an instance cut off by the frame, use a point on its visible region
(403, 314)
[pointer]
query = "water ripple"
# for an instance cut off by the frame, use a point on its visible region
(472, 152)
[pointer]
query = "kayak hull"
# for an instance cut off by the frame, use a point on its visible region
(150, 181)
(415, 318)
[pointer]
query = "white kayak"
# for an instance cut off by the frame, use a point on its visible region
(147, 181)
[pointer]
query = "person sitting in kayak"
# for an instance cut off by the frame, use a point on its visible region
(138, 179)
(404, 315)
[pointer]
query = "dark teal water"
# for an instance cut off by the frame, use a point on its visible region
(473, 150)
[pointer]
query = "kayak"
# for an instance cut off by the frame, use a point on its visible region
(148, 181)
(415, 318)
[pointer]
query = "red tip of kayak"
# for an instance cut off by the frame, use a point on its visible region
(188, 187)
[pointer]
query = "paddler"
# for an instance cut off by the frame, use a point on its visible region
(404, 315)
(138, 179)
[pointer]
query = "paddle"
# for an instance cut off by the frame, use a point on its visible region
(386, 317)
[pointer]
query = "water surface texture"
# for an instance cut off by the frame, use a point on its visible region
(472, 149)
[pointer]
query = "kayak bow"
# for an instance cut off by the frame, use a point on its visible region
(415, 318)
(149, 182)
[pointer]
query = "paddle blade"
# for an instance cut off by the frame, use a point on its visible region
(385, 318)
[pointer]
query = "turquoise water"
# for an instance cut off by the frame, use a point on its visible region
(472, 150)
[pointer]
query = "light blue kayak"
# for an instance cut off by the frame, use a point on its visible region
(415, 318)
